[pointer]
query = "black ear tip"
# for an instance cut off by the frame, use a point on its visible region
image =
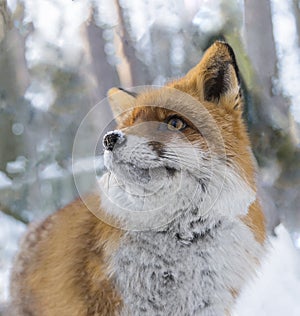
(226, 45)
(133, 94)
(232, 56)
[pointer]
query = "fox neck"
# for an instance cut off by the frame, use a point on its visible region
(225, 195)
(193, 263)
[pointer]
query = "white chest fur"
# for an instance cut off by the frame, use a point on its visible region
(191, 268)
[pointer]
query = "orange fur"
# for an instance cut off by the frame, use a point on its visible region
(63, 267)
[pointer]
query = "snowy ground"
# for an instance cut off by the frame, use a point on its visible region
(276, 292)
(10, 232)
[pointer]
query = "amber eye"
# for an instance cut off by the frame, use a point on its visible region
(176, 124)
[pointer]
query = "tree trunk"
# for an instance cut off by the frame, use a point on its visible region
(14, 80)
(5, 21)
(104, 73)
(271, 127)
(261, 49)
(296, 7)
(14, 111)
(138, 72)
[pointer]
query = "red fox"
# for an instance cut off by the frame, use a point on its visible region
(183, 228)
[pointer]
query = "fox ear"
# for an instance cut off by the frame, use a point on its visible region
(217, 76)
(120, 101)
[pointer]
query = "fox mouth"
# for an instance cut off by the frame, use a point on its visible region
(145, 172)
(170, 171)
(133, 172)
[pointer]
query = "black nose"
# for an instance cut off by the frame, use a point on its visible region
(111, 138)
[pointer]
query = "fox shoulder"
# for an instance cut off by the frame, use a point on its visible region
(63, 260)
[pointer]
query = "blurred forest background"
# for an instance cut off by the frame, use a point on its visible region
(58, 58)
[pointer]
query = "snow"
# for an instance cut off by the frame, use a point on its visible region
(10, 233)
(296, 239)
(41, 95)
(276, 291)
(12, 5)
(285, 35)
(17, 166)
(52, 171)
(68, 13)
(5, 182)
(87, 164)
(209, 18)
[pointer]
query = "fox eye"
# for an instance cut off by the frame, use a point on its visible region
(175, 124)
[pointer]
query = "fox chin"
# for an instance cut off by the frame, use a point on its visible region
(178, 229)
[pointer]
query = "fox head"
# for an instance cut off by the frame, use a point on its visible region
(180, 148)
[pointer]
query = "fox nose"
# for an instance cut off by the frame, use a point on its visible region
(112, 138)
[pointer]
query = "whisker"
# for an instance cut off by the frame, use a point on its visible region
(188, 165)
